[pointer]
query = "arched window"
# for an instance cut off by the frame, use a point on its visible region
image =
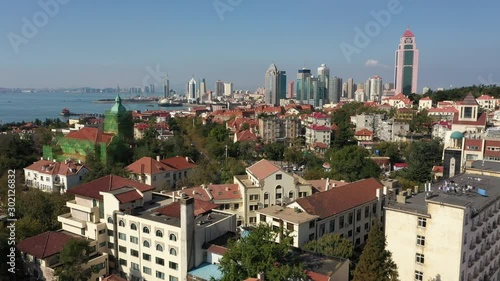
(133, 226)
(172, 237)
(145, 243)
(121, 223)
(159, 233)
(110, 220)
(278, 188)
(159, 247)
(145, 229)
(173, 252)
(290, 194)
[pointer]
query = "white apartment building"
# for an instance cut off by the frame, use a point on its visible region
(52, 176)
(450, 232)
(161, 174)
(487, 102)
(347, 210)
(148, 236)
(264, 185)
(424, 103)
(318, 129)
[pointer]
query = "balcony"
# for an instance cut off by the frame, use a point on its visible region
(69, 220)
(72, 205)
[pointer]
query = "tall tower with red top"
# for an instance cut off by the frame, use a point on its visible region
(406, 69)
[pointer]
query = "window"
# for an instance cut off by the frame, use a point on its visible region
(420, 240)
(123, 262)
(134, 253)
(172, 237)
(134, 266)
(254, 207)
(160, 275)
(358, 229)
(366, 226)
(134, 240)
(121, 223)
(254, 197)
(253, 219)
(332, 225)
(146, 257)
(419, 258)
(159, 233)
(262, 218)
(110, 220)
(172, 265)
(341, 222)
(419, 275)
(133, 226)
(289, 226)
(358, 215)
(349, 234)
(122, 249)
(374, 208)
(160, 261)
(312, 224)
(111, 245)
(173, 278)
(173, 252)
(236, 206)
(290, 194)
(102, 244)
(311, 236)
(422, 222)
(102, 231)
(122, 236)
(278, 195)
(266, 196)
(110, 232)
(145, 243)
(159, 247)
(279, 176)
(146, 270)
(350, 218)
(145, 229)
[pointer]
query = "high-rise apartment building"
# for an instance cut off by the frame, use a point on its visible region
(335, 90)
(291, 90)
(323, 81)
(228, 89)
(375, 88)
(350, 88)
(219, 88)
(273, 85)
(302, 84)
(406, 69)
(192, 90)
(203, 89)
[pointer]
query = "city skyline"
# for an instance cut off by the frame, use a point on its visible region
(104, 44)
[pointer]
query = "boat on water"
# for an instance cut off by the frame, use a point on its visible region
(65, 112)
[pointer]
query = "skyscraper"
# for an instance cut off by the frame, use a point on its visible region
(375, 90)
(192, 90)
(291, 90)
(203, 89)
(323, 81)
(272, 86)
(219, 88)
(152, 88)
(282, 83)
(302, 87)
(406, 69)
(228, 89)
(350, 88)
(335, 90)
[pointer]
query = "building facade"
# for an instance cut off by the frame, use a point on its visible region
(406, 69)
(51, 176)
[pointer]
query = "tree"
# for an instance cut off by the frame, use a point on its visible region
(375, 262)
(258, 253)
(352, 163)
(274, 151)
(422, 156)
(75, 254)
(389, 149)
(344, 134)
(331, 245)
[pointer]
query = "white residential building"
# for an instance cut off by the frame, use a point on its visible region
(52, 176)
(347, 210)
(450, 232)
(318, 130)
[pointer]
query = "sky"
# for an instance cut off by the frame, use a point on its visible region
(74, 43)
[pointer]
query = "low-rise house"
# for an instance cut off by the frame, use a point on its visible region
(347, 210)
(487, 102)
(52, 176)
(424, 103)
(41, 255)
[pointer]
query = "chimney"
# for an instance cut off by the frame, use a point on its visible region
(378, 194)
(385, 190)
(54, 160)
(187, 234)
(187, 159)
(80, 162)
(41, 158)
(327, 185)
(260, 276)
(158, 158)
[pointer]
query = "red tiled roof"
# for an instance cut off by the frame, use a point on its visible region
(45, 245)
(408, 33)
(197, 192)
(469, 100)
(128, 196)
(107, 183)
(263, 169)
(480, 121)
(485, 97)
(219, 250)
(174, 210)
(437, 169)
(443, 110)
(224, 191)
(340, 199)
(320, 145)
(319, 115)
(401, 165)
(364, 133)
(320, 127)
(320, 185)
(55, 168)
(91, 134)
(314, 276)
(179, 163)
(246, 135)
(425, 98)
(148, 165)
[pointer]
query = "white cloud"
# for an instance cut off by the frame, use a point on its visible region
(375, 63)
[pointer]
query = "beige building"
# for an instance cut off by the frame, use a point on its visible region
(487, 102)
(52, 176)
(450, 232)
(279, 129)
(348, 210)
(161, 174)
(264, 185)
(424, 103)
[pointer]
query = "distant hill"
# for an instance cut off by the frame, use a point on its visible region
(459, 93)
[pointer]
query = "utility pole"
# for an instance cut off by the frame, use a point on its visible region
(226, 152)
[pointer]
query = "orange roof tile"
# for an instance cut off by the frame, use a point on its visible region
(364, 133)
(224, 191)
(56, 168)
(263, 169)
(45, 244)
(91, 134)
(107, 183)
(148, 166)
(179, 163)
(174, 210)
